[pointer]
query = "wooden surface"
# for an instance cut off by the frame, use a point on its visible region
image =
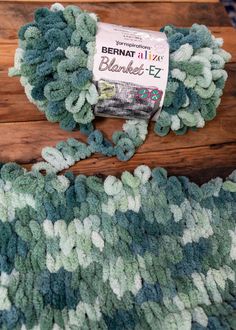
(201, 155)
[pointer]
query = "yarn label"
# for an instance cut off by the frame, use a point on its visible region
(130, 71)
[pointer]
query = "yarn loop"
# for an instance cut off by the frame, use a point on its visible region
(55, 62)
(143, 251)
(81, 251)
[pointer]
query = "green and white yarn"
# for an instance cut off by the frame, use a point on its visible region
(55, 61)
(142, 251)
(139, 252)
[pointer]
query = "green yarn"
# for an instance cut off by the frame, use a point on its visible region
(55, 62)
(142, 251)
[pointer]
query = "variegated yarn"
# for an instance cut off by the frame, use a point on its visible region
(138, 252)
(55, 60)
(141, 252)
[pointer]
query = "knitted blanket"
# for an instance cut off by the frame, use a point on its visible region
(141, 252)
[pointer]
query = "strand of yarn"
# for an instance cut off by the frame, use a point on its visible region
(55, 60)
(67, 153)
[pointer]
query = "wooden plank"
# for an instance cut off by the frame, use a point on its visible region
(13, 15)
(23, 141)
(200, 164)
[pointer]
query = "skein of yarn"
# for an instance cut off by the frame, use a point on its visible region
(55, 61)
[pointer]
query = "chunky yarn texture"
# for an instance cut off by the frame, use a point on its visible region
(55, 61)
(141, 252)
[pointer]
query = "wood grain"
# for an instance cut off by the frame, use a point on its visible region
(200, 164)
(13, 15)
(200, 155)
(23, 141)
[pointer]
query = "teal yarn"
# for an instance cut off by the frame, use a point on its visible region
(143, 251)
(139, 252)
(55, 59)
